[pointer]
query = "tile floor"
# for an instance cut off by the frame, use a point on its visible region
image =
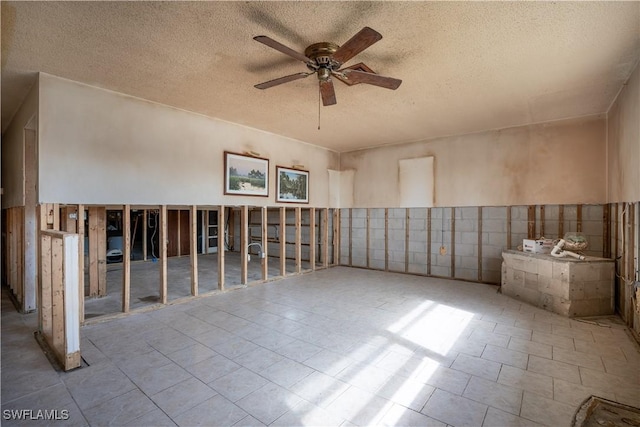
(337, 347)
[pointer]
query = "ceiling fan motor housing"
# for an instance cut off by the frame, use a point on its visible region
(322, 55)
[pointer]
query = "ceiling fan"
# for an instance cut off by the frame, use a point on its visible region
(325, 60)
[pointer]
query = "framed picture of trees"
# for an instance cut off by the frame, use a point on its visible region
(245, 175)
(293, 185)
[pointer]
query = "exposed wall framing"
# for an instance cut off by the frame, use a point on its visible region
(464, 243)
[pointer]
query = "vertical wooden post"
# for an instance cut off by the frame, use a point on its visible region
(368, 238)
(126, 258)
(162, 243)
(606, 231)
(453, 242)
(44, 291)
(221, 247)
(265, 243)
(350, 237)
(630, 275)
(386, 239)
(57, 296)
(312, 238)
(542, 218)
(325, 237)
(193, 251)
(81, 232)
(298, 216)
(531, 222)
(178, 237)
(283, 241)
(479, 243)
(560, 221)
(508, 227)
(406, 240)
(579, 218)
(244, 243)
(428, 241)
(337, 236)
(97, 251)
(145, 224)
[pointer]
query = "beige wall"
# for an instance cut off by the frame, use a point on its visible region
(102, 147)
(13, 150)
(623, 139)
(553, 163)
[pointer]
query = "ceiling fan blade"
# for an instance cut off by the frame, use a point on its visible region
(282, 48)
(373, 79)
(356, 44)
(328, 92)
(285, 79)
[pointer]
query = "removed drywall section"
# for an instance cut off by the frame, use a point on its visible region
(549, 163)
(623, 143)
(102, 147)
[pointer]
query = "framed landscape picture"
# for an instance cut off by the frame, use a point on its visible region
(293, 185)
(245, 175)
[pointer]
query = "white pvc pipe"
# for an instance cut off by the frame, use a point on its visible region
(559, 253)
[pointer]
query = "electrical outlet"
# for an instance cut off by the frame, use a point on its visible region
(248, 257)
(443, 250)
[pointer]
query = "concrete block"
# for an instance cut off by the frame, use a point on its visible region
(466, 250)
(491, 276)
(396, 256)
(467, 262)
(530, 265)
(396, 266)
(442, 260)
(418, 214)
(397, 213)
(559, 288)
(466, 274)
(439, 270)
(490, 225)
(376, 264)
(467, 225)
(516, 277)
(531, 281)
(592, 212)
(359, 234)
(396, 223)
(376, 244)
(377, 254)
(494, 212)
(418, 268)
(468, 238)
(396, 245)
(492, 252)
(418, 246)
(358, 223)
(498, 239)
(560, 270)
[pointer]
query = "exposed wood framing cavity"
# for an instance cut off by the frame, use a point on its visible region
(97, 251)
(579, 218)
(162, 243)
(244, 243)
(606, 231)
(325, 237)
(480, 243)
(283, 241)
(336, 236)
(126, 258)
(179, 237)
(69, 218)
(81, 233)
(221, 247)
(531, 222)
(542, 218)
(386, 239)
(298, 246)
(453, 241)
(368, 237)
(193, 248)
(312, 238)
(265, 258)
(15, 253)
(428, 241)
(350, 237)
(406, 240)
(58, 310)
(508, 227)
(616, 253)
(560, 221)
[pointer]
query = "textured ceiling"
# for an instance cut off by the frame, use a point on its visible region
(465, 66)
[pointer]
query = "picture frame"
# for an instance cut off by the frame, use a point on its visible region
(292, 185)
(245, 175)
